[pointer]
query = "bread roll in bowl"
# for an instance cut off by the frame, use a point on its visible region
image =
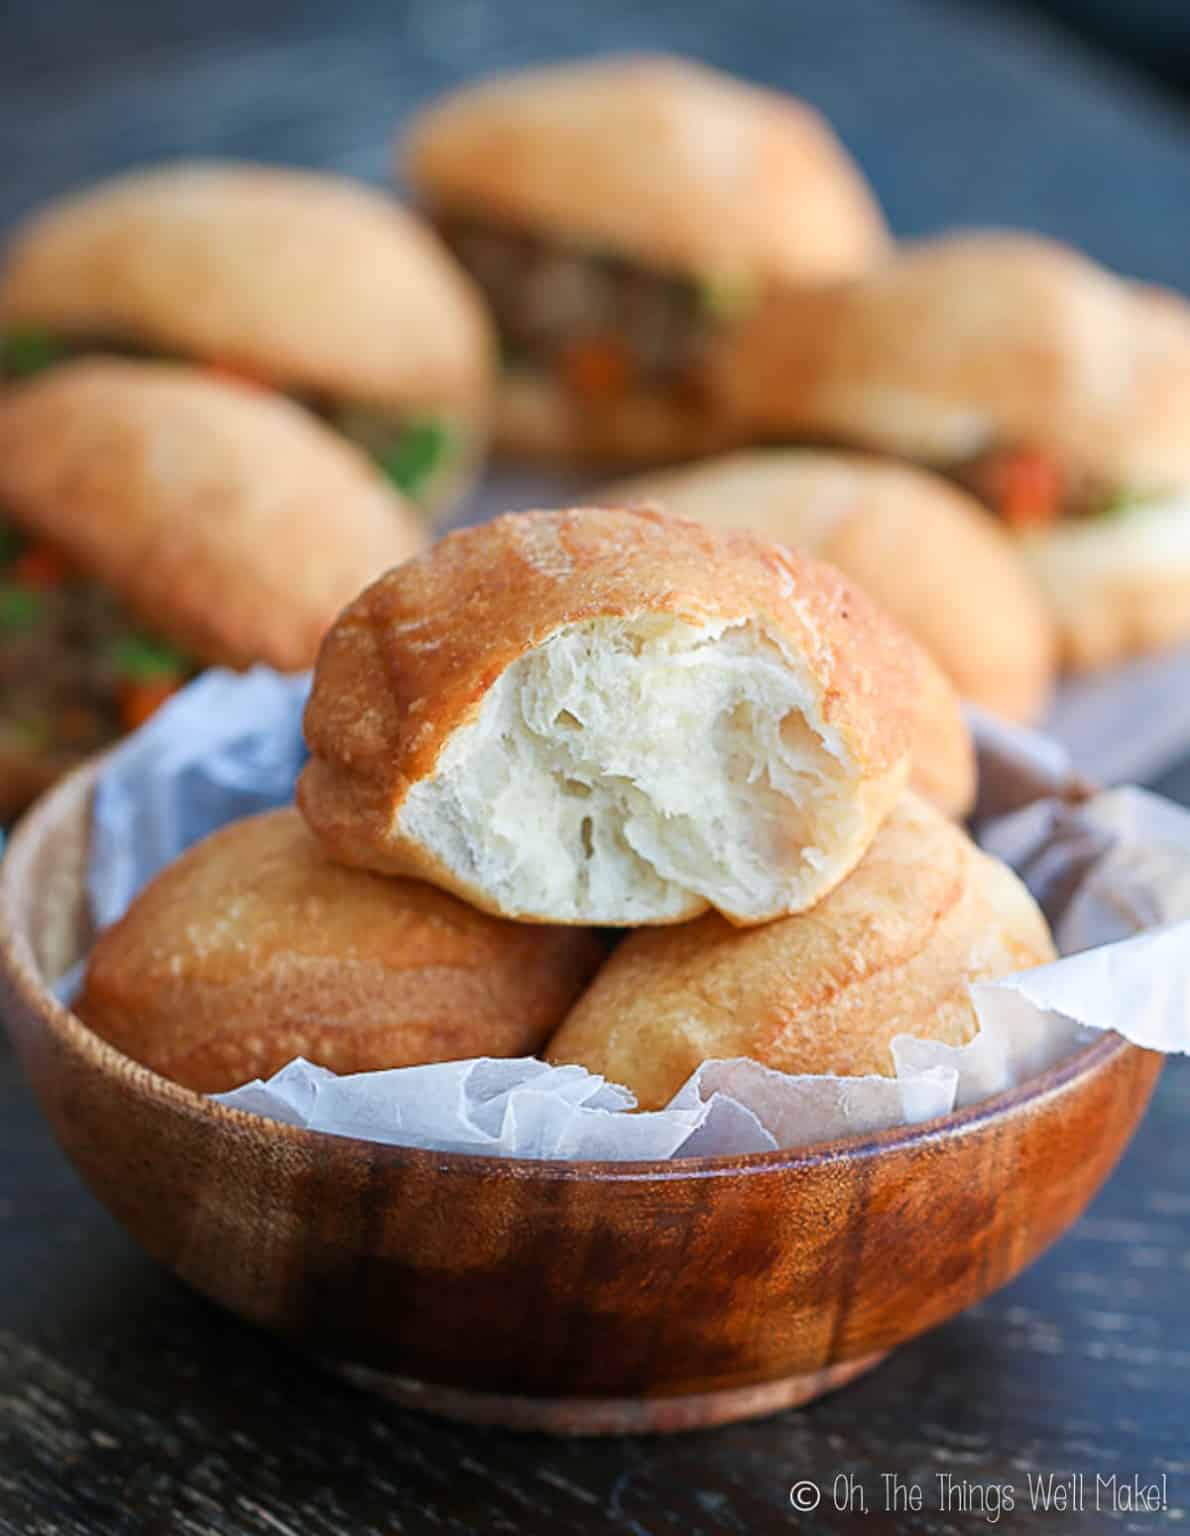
(924, 549)
(888, 952)
(944, 768)
(254, 948)
(610, 716)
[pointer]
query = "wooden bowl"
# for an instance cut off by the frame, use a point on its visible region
(575, 1297)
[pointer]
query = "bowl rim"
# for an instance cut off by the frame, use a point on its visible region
(19, 969)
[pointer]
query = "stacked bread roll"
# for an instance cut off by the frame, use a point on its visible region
(560, 723)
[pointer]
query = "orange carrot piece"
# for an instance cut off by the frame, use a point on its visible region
(41, 566)
(139, 700)
(598, 370)
(1024, 486)
(75, 724)
(238, 373)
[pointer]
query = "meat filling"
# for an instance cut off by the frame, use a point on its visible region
(1028, 488)
(413, 451)
(600, 325)
(76, 671)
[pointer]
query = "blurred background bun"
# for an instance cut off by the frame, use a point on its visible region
(616, 213)
(155, 519)
(918, 545)
(306, 283)
(1055, 391)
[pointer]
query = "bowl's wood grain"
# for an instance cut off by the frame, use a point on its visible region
(547, 1280)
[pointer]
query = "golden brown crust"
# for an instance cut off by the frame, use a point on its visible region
(311, 281)
(254, 948)
(962, 342)
(664, 160)
(887, 952)
(922, 548)
(227, 518)
(944, 767)
(399, 672)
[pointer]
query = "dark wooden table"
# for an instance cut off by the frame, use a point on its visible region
(129, 1407)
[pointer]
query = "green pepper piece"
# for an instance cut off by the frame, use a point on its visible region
(28, 731)
(24, 353)
(726, 295)
(21, 608)
(1127, 499)
(417, 452)
(140, 658)
(513, 358)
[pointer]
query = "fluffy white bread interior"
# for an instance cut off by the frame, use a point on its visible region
(635, 770)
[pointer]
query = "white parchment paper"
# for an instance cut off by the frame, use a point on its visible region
(1112, 871)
